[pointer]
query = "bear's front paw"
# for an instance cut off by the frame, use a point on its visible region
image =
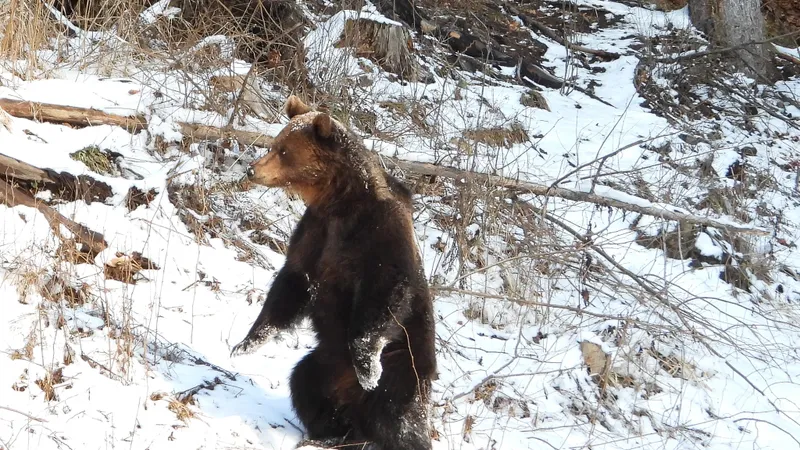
(253, 341)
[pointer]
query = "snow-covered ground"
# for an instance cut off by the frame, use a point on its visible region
(693, 361)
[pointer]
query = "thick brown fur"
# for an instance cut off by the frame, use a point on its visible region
(353, 267)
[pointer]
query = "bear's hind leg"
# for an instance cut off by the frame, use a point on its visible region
(394, 416)
(308, 383)
(390, 431)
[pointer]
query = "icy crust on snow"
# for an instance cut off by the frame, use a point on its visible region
(510, 376)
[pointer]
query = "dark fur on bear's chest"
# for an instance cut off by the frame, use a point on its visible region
(337, 253)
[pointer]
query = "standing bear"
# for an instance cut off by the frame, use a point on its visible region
(353, 267)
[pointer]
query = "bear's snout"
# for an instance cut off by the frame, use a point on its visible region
(251, 172)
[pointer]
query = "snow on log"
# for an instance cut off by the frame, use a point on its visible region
(615, 199)
(13, 196)
(71, 115)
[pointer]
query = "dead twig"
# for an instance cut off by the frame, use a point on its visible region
(641, 206)
(13, 196)
(715, 51)
(35, 419)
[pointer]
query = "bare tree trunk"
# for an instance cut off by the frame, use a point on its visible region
(734, 23)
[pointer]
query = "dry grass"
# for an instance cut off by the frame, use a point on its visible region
(499, 136)
(28, 27)
(180, 407)
(27, 282)
(126, 268)
(96, 160)
(49, 382)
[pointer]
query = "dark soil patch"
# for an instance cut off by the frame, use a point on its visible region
(679, 245)
(136, 197)
(580, 19)
(496, 35)
(68, 188)
(736, 276)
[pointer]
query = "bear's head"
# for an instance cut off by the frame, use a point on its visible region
(305, 156)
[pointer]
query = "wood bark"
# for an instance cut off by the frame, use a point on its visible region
(739, 24)
(14, 169)
(261, 140)
(70, 115)
(82, 117)
(205, 132)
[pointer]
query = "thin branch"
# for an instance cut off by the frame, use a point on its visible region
(690, 56)
(700, 337)
(532, 303)
(36, 419)
(641, 206)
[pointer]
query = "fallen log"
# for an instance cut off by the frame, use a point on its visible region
(14, 169)
(83, 117)
(12, 196)
(71, 115)
(647, 208)
(64, 185)
(642, 206)
(207, 133)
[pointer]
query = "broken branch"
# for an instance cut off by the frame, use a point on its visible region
(205, 132)
(13, 196)
(8, 408)
(70, 115)
(644, 207)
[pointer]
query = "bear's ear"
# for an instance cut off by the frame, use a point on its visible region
(295, 106)
(323, 125)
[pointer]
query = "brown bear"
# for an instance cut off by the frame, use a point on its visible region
(353, 267)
